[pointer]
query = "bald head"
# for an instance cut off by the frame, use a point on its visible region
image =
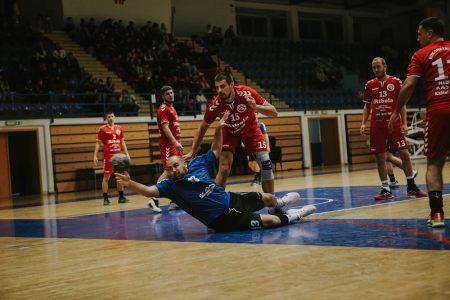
(379, 59)
(174, 159)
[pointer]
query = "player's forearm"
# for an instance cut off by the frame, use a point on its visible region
(403, 116)
(216, 146)
(405, 92)
(97, 147)
(198, 138)
(365, 115)
(125, 149)
(169, 134)
(143, 189)
(267, 110)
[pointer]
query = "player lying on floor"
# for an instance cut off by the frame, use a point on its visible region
(191, 187)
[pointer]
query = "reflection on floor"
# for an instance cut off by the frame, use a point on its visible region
(321, 230)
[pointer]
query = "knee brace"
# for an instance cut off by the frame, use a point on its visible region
(265, 165)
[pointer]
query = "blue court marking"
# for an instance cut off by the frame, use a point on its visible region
(141, 224)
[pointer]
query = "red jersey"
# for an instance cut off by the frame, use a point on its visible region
(432, 63)
(168, 114)
(111, 139)
(382, 95)
(242, 120)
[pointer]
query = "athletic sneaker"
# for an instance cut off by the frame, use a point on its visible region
(415, 192)
(302, 212)
(153, 203)
(383, 195)
(436, 220)
(393, 184)
(106, 202)
(254, 183)
(290, 198)
(287, 199)
(173, 206)
(123, 200)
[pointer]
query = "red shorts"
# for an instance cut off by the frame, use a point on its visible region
(168, 150)
(106, 165)
(253, 143)
(437, 133)
(381, 140)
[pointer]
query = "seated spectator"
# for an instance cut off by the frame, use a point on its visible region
(201, 100)
(128, 103)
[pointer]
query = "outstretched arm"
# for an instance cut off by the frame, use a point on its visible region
(216, 145)
(125, 180)
(197, 140)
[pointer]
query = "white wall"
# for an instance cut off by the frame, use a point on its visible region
(42, 126)
(191, 16)
(139, 11)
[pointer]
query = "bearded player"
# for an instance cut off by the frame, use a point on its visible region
(242, 102)
(380, 98)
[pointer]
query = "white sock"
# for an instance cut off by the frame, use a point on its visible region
(385, 185)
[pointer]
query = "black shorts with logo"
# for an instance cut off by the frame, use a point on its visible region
(241, 214)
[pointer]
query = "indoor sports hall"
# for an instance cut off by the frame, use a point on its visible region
(73, 71)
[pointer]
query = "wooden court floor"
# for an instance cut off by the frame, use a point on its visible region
(72, 247)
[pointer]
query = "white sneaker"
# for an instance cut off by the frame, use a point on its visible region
(303, 212)
(290, 198)
(415, 172)
(173, 206)
(153, 203)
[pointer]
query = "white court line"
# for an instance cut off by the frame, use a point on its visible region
(386, 203)
(327, 200)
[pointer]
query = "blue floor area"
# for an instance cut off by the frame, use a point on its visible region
(141, 224)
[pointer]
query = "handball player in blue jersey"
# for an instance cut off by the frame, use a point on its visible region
(191, 187)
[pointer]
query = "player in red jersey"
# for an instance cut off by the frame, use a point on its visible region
(242, 102)
(113, 140)
(380, 96)
(432, 64)
(169, 138)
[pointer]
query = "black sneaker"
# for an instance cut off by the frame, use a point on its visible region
(123, 200)
(106, 202)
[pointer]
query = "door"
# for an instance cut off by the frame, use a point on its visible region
(329, 132)
(324, 141)
(24, 163)
(5, 187)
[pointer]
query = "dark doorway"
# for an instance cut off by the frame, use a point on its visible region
(324, 141)
(24, 163)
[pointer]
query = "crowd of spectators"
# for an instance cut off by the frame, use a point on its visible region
(147, 57)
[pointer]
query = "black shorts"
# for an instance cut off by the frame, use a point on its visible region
(241, 214)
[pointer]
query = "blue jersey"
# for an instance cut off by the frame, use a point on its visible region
(196, 193)
(262, 126)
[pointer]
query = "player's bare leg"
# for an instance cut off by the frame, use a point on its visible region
(105, 188)
(406, 162)
(268, 186)
(385, 192)
(434, 185)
